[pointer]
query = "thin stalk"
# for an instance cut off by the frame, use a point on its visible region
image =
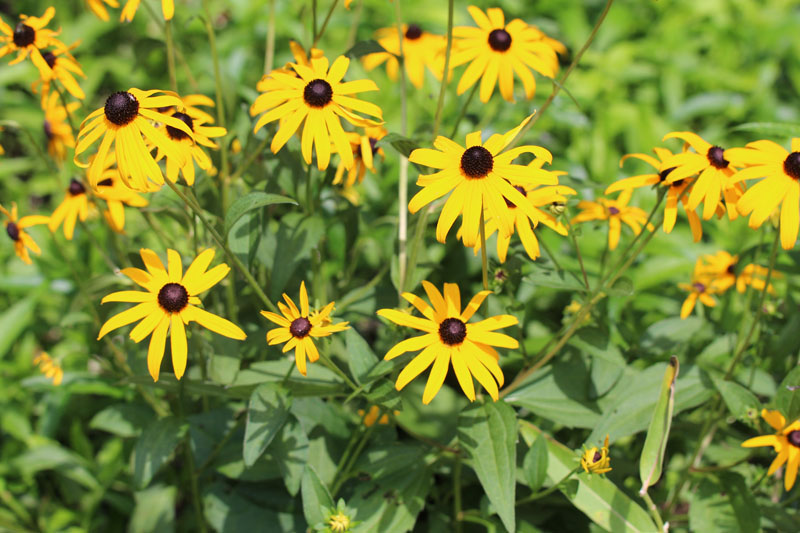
(653, 510)
(550, 255)
(330, 365)
(549, 490)
(309, 191)
(37, 146)
(173, 80)
(193, 485)
(484, 260)
(269, 53)
(109, 263)
(445, 75)
(344, 474)
(463, 110)
(578, 252)
(355, 19)
(402, 184)
(318, 35)
(250, 158)
(422, 220)
(313, 20)
(457, 505)
(66, 111)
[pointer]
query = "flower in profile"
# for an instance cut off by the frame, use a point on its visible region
(318, 97)
(56, 129)
(62, 67)
(480, 178)
(191, 105)
(496, 51)
(420, 49)
(785, 441)
(781, 186)
(364, 151)
(298, 328)
(75, 205)
(169, 303)
(702, 288)
(188, 147)
(123, 121)
(15, 229)
(596, 461)
(28, 38)
(111, 189)
(616, 212)
(49, 367)
(128, 12)
(370, 417)
(97, 7)
(448, 337)
(643, 180)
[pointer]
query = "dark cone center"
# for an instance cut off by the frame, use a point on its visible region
(13, 231)
(108, 182)
(372, 142)
(511, 205)
(662, 176)
(413, 32)
(477, 162)
(174, 133)
(716, 157)
(699, 287)
(452, 331)
(50, 58)
(597, 456)
(794, 438)
(173, 297)
(24, 35)
(48, 129)
(300, 327)
(792, 165)
(500, 40)
(121, 108)
(613, 211)
(76, 188)
(318, 93)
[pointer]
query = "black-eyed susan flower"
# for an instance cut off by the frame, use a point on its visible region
(97, 7)
(616, 212)
(169, 303)
(596, 461)
(63, 68)
(721, 269)
(785, 441)
(643, 180)
(189, 148)
(56, 128)
(28, 38)
(49, 367)
(450, 338)
(702, 288)
(480, 178)
(780, 186)
(420, 49)
(124, 121)
(299, 327)
(496, 51)
(116, 195)
(755, 276)
(75, 205)
(364, 152)
(318, 98)
(129, 11)
(15, 229)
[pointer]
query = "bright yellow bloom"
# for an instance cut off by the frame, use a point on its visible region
(123, 121)
(298, 327)
(449, 338)
(596, 461)
(15, 228)
(128, 12)
(189, 148)
(99, 9)
(364, 151)
(420, 49)
(339, 523)
(480, 178)
(111, 189)
(318, 97)
(50, 368)
(496, 51)
(56, 128)
(75, 205)
(191, 106)
(616, 212)
(781, 186)
(28, 38)
(62, 67)
(371, 417)
(300, 57)
(786, 442)
(169, 303)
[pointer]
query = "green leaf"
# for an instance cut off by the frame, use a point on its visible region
(403, 145)
(555, 280)
(14, 321)
(360, 357)
(662, 335)
(771, 129)
(251, 201)
(655, 443)
(123, 419)
(488, 432)
(384, 459)
(266, 414)
(724, 505)
(295, 239)
(741, 498)
(315, 496)
(154, 511)
(363, 48)
(391, 503)
(740, 400)
(291, 451)
(535, 464)
(154, 448)
(788, 395)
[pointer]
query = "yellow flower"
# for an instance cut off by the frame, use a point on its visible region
(496, 51)
(191, 106)
(128, 12)
(62, 67)
(300, 57)
(616, 212)
(169, 303)
(596, 461)
(786, 442)
(298, 328)
(50, 368)
(15, 228)
(371, 417)
(123, 121)
(339, 523)
(449, 338)
(643, 180)
(363, 149)
(75, 205)
(480, 178)
(188, 148)
(720, 268)
(781, 186)
(420, 49)
(702, 288)
(99, 9)
(318, 97)
(56, 129)
(111, 189)
(755, 276)
(28, 37)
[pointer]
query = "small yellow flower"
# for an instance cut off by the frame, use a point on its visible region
(339, 522)
(56, 129)
(702, 288)
(62, 67)
(616, 212)
(111, 189)
(596, 461)
(420, 49)
(364, 152)
(785, 441)
(188, 147)
(50, 368)
(15, 228)
(97, 7)
(28, 38)
(75, 205)
(371, 417)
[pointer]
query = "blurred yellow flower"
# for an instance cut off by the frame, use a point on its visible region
(97, 7)
(785, 441)
(28, 38)
(15, 229)
(75, 205)
(188, 147)
(50, 368)
(56, 129)
(62, 67)
(111, 189)
(364, 151)
(129, 11)
(616, 212)
(420, 49)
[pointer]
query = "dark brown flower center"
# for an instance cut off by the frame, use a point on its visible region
(477, 162)
(300, 327)
(794, 438)
(731, 268)
(597, 456)
(452, 331)
(716, 157)
(174, 133)
(24, 35)
(173, 297)
(413, 32)
(500, 40)
(662, 176)
(372, 141)
(676, 184)
(48, 129)
(613, 211)
(108, 182)
(699, 287)
(508, 202)
(121, 108)
(50, 58)
(792, 165)
(13, 231)
(76, 188)
(318, 93)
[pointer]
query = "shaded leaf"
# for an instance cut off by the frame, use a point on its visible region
(251, 201)
(403, 145)
(266, 414)
(535, 464)
(315, 496)
(154, 511)
(788, 395)
(738, 399)
(154, 448)
(655, 443)
(363, 48)
(360, 357)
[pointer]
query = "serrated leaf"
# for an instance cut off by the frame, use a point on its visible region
(363, 48)
(535, 464)
(315, 496)
(251, 201)
(154, 448)
(655, 443)
(360, 357)
(788, 395)
(488, 432)
(267, 412)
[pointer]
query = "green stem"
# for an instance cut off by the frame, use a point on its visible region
(96, 245)
(445, 75)
(250, 158)
(457, 505)
(422, 221)
(269, 53)
(313, 21)
(653, 510)
(462, 113)
(193, 485)
(402, 185)
(549, 490)
(355, 19)
(318, 36)
(173, 80)
(344, 474)
(484, 260)
(328, 363)
(66, 111)
(578, 252)
(309, 191)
